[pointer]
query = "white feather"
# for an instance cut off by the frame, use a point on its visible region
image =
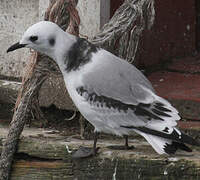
(106, 75)
(156, 142)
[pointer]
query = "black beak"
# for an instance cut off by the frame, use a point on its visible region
(15, 46)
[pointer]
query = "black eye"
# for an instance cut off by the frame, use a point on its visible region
(52, 41)
(33, 38)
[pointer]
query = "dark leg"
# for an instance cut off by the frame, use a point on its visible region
(124, 147)
(84, 152)
(126, 143)
(95, 149)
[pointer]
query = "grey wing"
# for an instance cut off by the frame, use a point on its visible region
(117, 91)
(115, 78)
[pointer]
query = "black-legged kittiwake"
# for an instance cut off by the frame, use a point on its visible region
(113, 95)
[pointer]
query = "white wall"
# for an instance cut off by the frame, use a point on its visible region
(17, 15)
(93, 14)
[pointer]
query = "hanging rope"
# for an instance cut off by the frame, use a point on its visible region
(122, 33)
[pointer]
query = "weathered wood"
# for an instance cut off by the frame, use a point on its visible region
(32, 170)
(102, 169)
(135, 169)
(43, 155)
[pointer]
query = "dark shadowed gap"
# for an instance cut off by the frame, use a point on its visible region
(198, 25)
(114, 5)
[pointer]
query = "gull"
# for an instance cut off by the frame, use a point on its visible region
(113, 95)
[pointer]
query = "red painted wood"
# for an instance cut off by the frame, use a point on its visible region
(173, 85)
(187, 65)
(173, 34)
(189, 124)
(114, 5)
(181, 86)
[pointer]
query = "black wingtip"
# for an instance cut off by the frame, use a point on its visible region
(189, 140)
(183, 138)
(172, 148)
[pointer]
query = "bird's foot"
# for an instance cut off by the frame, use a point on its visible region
(121, 147)
(129, 147)
(84, 152)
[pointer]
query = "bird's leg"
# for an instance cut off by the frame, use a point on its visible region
(84, 152)
(82, 126)
(95, 149)
(123, 147)
(126, 143)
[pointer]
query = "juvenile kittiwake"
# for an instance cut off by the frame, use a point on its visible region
(113, 95)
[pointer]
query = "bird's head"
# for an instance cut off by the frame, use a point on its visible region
(43, 37)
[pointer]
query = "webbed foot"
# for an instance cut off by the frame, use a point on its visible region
(84, 152)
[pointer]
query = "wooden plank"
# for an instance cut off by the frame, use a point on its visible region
(46, 149)
(31, 170)
(134, 169)
(174, 33)
(181, 89)
(43, 155)
(189, 125)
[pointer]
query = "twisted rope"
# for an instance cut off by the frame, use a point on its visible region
(37, 70)
(122, 33)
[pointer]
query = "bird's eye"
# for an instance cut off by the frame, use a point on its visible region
(52, 41)
(33, 38)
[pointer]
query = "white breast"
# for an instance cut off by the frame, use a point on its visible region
(73, 80)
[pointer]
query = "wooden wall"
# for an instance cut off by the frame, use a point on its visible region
(174, 33)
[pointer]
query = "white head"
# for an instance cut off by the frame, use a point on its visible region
(44, 37)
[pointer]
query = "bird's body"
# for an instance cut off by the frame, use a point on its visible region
(113, 95)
